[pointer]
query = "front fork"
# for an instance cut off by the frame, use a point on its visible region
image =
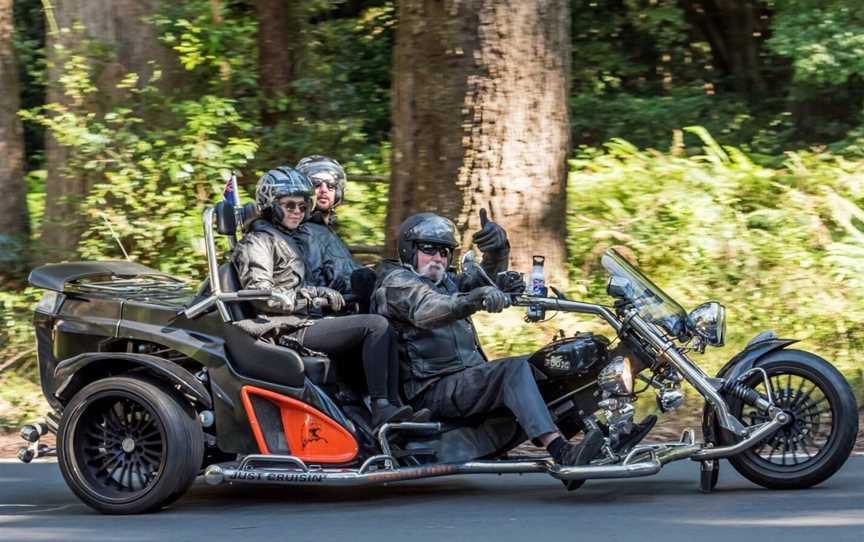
(711, 388)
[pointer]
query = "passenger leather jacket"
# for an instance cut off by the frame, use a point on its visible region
(267, 258)
(436, 335)
(328, 260)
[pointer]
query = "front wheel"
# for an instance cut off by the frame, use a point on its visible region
(823, 427)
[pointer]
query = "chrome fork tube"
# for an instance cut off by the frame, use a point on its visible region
(696, 376)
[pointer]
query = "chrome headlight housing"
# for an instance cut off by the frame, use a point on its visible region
(617, 377)
(708, 321)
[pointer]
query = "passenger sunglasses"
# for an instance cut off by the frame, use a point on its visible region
(292, 206)
(431, 250)
(330, 184)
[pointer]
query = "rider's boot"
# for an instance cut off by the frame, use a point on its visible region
(627, 441)
(571, 455)
(422, 416)
(383, 411)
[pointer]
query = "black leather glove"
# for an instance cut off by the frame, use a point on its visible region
(489, 298)
(510, 282)
(334, 298)
(491, 236)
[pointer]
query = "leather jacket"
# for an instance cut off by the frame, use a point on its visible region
(436, 335)
(328, 260)
(267, 258)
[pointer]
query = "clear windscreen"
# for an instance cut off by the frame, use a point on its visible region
(651, 303)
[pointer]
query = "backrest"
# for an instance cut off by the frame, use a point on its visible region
(230, 282)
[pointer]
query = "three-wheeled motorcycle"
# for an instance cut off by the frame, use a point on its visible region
(152, 383)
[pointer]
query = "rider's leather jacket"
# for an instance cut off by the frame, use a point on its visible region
(267, 258)
(328, 260)
(436, 336)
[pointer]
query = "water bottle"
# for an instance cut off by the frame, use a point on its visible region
(538, 280)
(537, 287)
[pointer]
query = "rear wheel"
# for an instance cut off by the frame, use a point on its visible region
(823, 427)
(128, 445)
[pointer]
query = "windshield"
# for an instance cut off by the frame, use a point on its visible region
(652, 303)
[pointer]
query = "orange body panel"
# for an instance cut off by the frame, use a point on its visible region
(312, 435)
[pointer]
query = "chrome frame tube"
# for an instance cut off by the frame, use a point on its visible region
(692, 373)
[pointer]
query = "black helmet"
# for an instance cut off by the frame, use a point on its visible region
(321, 168)
(424, 228)
(278, 183)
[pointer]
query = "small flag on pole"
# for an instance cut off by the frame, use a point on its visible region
(231, 194)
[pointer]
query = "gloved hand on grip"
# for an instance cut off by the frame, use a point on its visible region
(510, 282)
(334, 298)
(489, 298)
(491, 237)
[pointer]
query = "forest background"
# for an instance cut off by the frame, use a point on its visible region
(721, 141)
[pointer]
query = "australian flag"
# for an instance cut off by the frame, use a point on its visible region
(231, 193)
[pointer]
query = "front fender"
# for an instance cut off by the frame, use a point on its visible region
(742, 362)
(100, 364)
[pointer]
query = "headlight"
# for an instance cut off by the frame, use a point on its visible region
(617, 377)
(708, 320)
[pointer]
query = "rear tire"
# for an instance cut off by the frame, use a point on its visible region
(128, 445)
(824, 426)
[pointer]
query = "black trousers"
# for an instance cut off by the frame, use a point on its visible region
(369, 335)
(481, 389)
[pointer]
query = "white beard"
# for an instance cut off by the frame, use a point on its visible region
(434, 271)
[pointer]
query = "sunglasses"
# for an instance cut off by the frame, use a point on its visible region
(330, 184)
(430, 250)
(292, 206)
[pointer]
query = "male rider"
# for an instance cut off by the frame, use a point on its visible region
(328, 260)
(443, 368)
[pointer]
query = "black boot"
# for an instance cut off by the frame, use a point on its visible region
(422, 416)
(627, 441)
(571, 455)
(383, 411)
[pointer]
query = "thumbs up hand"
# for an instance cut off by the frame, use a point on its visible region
(491, 236)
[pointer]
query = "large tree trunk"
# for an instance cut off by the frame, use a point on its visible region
(280, 39)
(14, 219)
(119, 25)
(480, 119)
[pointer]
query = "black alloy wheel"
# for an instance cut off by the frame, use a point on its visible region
(128, 445)
(823, 427)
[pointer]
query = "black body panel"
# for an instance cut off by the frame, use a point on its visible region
(72, 368)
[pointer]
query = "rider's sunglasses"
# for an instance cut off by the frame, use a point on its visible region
(292, 206)
(330, 184)
(430, 249)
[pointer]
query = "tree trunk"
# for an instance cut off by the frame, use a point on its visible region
(480, 119)
(280, 39)
(735, 29)
(14, 219)
(120, 26)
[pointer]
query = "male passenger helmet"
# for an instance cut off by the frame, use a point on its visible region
(425, 228)
(278, 183)
(323, 169)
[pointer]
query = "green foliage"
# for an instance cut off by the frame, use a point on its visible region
(150, 181)
(782, 248)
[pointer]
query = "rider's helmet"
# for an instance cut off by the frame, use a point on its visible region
(278, 183)
(327, 170)
(425, 228)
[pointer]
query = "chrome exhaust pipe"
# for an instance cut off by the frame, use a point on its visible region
(299, 474)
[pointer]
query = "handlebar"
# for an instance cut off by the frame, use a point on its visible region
(565, 305)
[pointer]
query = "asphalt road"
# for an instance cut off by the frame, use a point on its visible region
(36, 505)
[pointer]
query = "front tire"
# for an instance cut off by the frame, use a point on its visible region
(127, 445)
(824, 426)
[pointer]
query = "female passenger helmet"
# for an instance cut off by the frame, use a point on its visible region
(278, 183)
